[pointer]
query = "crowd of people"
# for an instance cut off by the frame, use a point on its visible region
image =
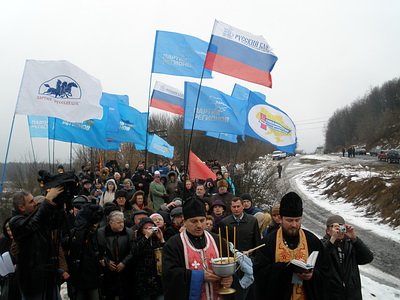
(151, 234)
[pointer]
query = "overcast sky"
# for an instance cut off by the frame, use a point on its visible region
(330, 53)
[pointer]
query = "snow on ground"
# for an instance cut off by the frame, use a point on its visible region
(371, 289)
(353, 215)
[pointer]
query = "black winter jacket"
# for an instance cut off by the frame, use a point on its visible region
(37, 260)
(344, 278)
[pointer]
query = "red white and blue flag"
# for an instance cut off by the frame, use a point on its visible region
(167, 98)
(240, 54)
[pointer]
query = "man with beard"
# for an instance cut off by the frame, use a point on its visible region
(274, 275)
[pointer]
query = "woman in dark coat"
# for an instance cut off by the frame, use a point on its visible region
(147, 280)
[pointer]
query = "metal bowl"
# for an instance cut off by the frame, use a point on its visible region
(224, 267)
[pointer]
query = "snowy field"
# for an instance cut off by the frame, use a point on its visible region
(355, 216)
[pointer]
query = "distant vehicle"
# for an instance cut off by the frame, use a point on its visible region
(393, 156)
(374, 151)
(360, 151)
(382, 155)
(278, 155)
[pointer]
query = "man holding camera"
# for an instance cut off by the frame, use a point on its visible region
(345, 251)
(37, 252)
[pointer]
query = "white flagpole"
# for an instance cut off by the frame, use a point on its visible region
(3, 177)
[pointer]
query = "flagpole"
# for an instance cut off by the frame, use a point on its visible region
(48, 152)
(3, 176)
(70, 156)
(33, 151)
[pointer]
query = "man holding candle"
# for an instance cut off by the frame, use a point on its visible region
(275, 277)
(187, 268)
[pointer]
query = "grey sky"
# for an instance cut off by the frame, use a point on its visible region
(330, 52)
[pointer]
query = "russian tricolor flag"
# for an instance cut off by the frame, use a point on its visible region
(240, 54)
(167, 98)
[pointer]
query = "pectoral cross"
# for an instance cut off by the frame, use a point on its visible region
(195, 264)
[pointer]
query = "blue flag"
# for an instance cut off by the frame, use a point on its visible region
(215, 112)
(179, 54)
(160, 147)
(268, 123)
(132, 126)
(38, 126)
(232, 138)
(243, 93)
(91, 133)
(110, 102)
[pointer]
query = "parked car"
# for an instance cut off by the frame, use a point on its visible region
(382, 155)
(393, 156)
(374, 151)
(360, 151)
(278, 155)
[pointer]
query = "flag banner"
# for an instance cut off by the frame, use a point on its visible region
(140, 147)
(91, 133)
(132, 126)
(215, 112)
(268, 123)
(243, 93)
(240, 54)
(159, 146)
(232, 138)
(110, 102)
(38, 126)
(167, 98)
(198, 169)
(179, 54)
(59, 89)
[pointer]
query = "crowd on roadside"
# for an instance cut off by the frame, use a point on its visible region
(108, 241)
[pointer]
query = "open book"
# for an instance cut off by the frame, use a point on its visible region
(301, 266)
(6, 264)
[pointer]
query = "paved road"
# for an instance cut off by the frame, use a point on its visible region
(386, 251)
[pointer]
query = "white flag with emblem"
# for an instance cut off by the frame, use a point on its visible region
(59, 89)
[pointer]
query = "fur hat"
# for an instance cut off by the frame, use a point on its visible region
(291, 205)
(222, 183)
(335, 219)
(120, 193)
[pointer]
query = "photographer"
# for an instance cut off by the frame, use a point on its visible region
(37, 254)
(345, 251)
(147, 283)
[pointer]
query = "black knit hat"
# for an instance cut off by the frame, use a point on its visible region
(193, 208)
(291, 206)
(246, 196)
(120, 193)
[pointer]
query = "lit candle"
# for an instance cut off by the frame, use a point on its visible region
(220, 245)
(234, 243)
(227, 242)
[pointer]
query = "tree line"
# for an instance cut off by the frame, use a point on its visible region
(372, 120)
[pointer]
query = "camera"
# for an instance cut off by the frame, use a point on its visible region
(154, 229)
(68, 180)
(342, 228)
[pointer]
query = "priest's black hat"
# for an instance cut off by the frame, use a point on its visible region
(291, 206)
(193, 208)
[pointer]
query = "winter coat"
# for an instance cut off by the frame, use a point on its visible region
(108, 196)
(141, 180)
(37, 261)
(147, 282)
(157, 191)
(344, 278)
(116, 246)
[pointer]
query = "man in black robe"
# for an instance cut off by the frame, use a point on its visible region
(275, 278)
(180, 282)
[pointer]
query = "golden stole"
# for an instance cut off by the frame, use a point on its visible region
(284, 254)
